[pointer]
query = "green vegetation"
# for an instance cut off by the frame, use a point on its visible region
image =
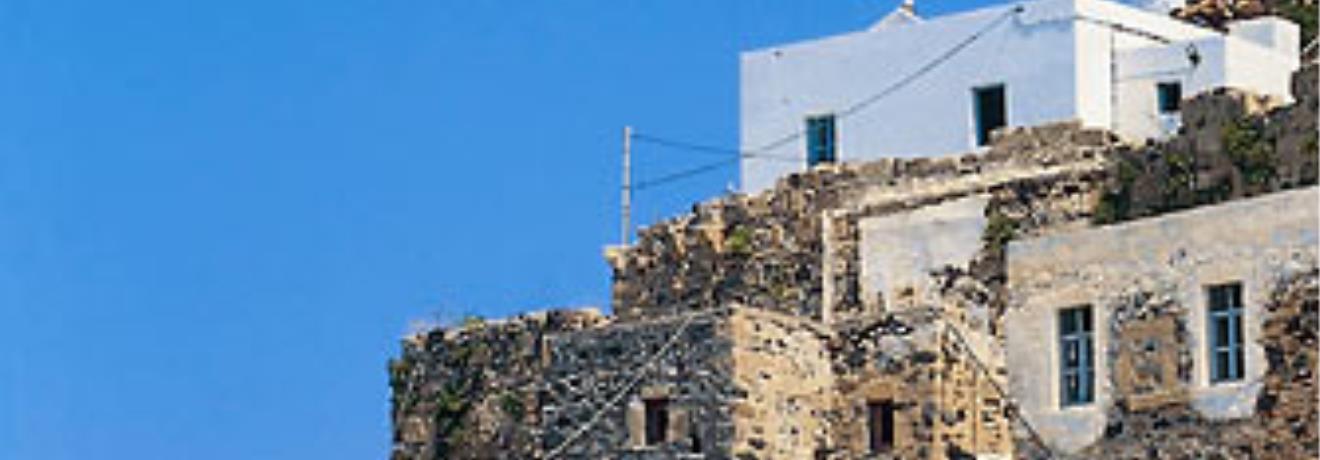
(999, 230)
(470, 321)
(739, 241)
(1115, 205)
(458, 395)
(512, 405)
(1112, 207)
(1249, 150)
(400, 398)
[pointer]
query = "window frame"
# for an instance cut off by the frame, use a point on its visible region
(822, 148)
(1224, 304)
(1076, 334)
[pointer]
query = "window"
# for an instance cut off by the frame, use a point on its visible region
(1077, 373)
(820, 140)
(991, 111)
(1169, 95)
(657, 420)
(1225, 315)
(880, 425)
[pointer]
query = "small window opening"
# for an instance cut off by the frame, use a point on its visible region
(880, 425)
(991, 111)
(657, 421)
(820, 140)
(694, 439)
(1169, 96)
(1077, 370)
(1225, 317)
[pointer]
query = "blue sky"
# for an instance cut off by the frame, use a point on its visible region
(218, 218)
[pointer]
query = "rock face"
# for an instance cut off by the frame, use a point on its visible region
(866, 311)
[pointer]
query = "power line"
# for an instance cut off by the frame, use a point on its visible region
(683, 145)
(639, 373)
(851, 110)
(920, 72)
(702, 148)
(732, 156)
(685, 173)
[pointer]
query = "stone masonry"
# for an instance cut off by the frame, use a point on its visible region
(903, 308)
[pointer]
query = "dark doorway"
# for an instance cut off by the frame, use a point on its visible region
(880, 425)
(991, 111)
(657, 421)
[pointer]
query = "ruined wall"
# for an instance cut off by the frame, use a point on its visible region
(925, 362)
(1231, 145)
(1145, 282)
(794, 248)
(782, 365)
(470, 392)
(1285, 424)
(685, 359)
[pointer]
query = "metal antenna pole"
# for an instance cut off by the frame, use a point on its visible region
(625, 202)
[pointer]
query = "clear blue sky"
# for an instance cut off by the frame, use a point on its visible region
(218, 218)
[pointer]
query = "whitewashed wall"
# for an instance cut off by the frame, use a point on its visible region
(1257, 242)
(1055, 59)
(782, 85)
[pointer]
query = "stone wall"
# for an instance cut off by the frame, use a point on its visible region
(945, 405)
(685, 360)
(794, 248)
(1145, 282)
(767, 322)
(470, 392)
(1231, 145)
(1285, 425)
(782, 365)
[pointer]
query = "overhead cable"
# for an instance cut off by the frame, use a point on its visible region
(758, 153)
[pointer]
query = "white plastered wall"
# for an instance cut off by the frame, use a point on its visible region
(1058, 59)
(1031, 54)
(1256, 242)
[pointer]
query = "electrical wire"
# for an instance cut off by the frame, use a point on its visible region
(853, 109)
(643, 185)
(684, 145)
(639, 373)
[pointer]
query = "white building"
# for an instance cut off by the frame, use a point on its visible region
(909, 87)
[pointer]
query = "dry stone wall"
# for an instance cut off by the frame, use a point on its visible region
(1231, 145)
(782, 366)
(685, 360)
(794, 248)
(945, 406)
(471, 392)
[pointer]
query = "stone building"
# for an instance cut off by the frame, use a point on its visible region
(1059, 294)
